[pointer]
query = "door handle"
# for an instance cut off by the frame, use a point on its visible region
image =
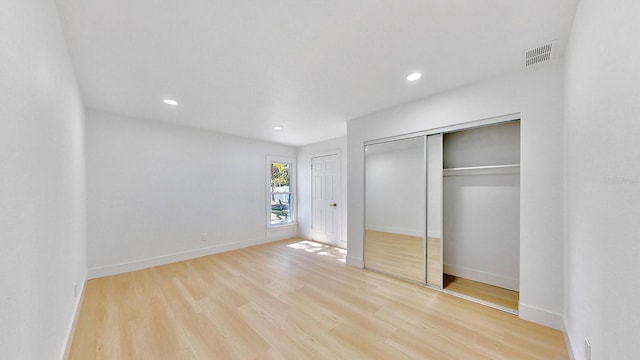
(333, 204)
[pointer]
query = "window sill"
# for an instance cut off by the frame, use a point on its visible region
(277, 226)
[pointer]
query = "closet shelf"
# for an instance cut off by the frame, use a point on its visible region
(482, 170)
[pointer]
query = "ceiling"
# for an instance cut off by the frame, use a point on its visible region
(242, 67)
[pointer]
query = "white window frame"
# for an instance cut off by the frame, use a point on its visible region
(293, 208)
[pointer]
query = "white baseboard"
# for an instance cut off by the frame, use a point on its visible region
(355, 262)
(541, 316)
(71, 330)
(115, 269)
(483, 277)
(396, 230)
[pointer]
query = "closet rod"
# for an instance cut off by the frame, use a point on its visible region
(482, 170)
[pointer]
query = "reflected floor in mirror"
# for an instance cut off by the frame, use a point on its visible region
(395, 254)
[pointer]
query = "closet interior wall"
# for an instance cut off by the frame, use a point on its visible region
(481, 202)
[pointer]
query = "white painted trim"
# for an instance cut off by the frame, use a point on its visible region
(451, 128)
(540, 316)
(71, 330)
(115, 269)
(281, 232)
(326, 153)
(483, 170)
(396, 230)
(483, 277)
(567, 339)
(355, 262)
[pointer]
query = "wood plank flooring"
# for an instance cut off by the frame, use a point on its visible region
(292, 299)
(396, 254)
(486, 292)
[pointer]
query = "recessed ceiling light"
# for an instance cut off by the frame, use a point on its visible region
(278, 128)
(414, 76)
(170, 102)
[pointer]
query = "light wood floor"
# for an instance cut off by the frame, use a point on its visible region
(396, 254)
(486, 292)
(293, 299)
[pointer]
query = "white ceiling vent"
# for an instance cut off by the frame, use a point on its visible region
(538, 55)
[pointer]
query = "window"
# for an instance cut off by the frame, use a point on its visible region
(281, 183)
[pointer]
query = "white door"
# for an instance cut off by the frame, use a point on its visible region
(325, 199)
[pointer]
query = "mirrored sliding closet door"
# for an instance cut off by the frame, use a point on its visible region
(395, 220)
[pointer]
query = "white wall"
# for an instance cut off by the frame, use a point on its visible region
(42, 211)
(305, 153)
(488, 145)
(538, 96)
(481, 228)
(395, 189)
(153, 189)
(602, 180)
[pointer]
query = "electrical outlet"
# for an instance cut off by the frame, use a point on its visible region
(203, 237)
(75, 290)
(587, 349)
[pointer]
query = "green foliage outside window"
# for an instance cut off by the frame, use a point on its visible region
(279, 174)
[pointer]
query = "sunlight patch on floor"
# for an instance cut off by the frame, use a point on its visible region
(320, 249)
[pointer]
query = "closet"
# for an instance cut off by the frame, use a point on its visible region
(442, 209)
(481, 213)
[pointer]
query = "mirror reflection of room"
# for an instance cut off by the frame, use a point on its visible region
(395, 208)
